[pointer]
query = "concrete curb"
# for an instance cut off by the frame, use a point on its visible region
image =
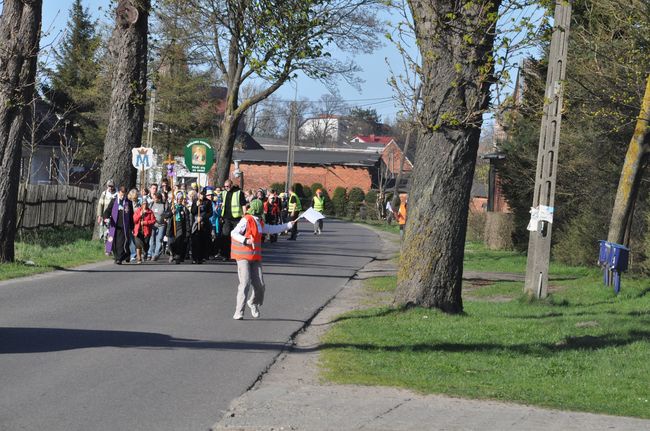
(291, 396)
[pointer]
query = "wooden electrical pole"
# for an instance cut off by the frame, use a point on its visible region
(292, 144)
(539, 244)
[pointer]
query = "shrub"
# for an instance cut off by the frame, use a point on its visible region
(475, 226)
(577, 241)
(317, 186)
(339, 201)
(356, 195)
(371, 205)
(278, 187)
(297, 188)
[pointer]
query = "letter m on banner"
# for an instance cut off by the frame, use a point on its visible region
(142, 158)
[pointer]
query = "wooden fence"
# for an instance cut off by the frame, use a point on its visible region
(58, 205)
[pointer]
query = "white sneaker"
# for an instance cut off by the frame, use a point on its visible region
(238, 315)
(255, 310)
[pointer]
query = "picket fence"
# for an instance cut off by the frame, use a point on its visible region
(55, 205)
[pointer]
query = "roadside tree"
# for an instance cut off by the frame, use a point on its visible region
(20, 26)
(269, 42)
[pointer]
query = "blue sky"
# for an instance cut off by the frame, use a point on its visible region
(375, 72)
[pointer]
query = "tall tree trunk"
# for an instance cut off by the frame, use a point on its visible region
(631, 174)
(128, 49)
(455, 39)
(20, 28)
(226, 141)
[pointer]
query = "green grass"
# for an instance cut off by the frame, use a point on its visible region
(480, 258)
(50, 249)
(584, 349)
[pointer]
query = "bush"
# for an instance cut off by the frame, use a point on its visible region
(577, 241)
(356, 195)
(278, 187)
(317, 186)
(339, 201)
(371, 205)
(355, 198)
(298, 189)
(475, 226)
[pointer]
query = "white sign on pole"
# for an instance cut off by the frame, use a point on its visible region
(142, 158)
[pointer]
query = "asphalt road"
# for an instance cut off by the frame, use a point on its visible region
(154, 346)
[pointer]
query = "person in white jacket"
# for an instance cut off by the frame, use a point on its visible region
(246, 249)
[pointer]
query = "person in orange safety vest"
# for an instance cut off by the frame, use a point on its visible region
(246, 249)
(400, 216)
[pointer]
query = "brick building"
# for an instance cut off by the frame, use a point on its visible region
(332, 169)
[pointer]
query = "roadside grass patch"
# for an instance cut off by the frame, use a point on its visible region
(50, 249)
(480, 258)
(583, 349)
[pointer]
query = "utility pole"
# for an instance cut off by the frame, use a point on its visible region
(292, 144)
(540, 227)
(152, 110)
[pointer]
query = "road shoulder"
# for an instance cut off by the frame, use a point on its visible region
(291, 396)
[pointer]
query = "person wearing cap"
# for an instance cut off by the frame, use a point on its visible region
(246, 249)
(102, 203)
(318, 203)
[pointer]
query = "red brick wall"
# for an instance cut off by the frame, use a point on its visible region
(392, 156)
(258, 175)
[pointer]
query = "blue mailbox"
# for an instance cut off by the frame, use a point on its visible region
(614, 259)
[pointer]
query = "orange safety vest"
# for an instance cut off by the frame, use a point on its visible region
(401, 217)
(239, 251)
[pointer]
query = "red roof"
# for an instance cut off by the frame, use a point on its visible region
(374, 139)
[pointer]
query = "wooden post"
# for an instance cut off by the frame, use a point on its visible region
(539, 245)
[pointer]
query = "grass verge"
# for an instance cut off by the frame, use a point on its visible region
(584, 349)
(50, 249)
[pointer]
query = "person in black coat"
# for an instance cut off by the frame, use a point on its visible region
(178, 229)
(201, 211)
(118, 216)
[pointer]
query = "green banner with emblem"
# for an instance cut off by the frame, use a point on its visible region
(199, 156)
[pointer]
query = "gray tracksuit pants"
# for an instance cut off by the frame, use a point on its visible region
(250, 273)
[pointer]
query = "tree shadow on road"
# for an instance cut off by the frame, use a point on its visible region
(39, 340)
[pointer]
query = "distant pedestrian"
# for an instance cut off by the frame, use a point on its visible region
(102, 203)
(119, 218)
(246, 240)
(232, 210)
(134, 197)
(318, 203)
(178, 229)
(158, 209)
(272, 212)
(402, 215)
(143, 221)
(201, 212)
(389, 212)
(294, 207)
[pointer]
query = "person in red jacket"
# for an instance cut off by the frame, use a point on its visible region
(143, 220)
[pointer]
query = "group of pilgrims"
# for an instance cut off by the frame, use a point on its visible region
(180, 223)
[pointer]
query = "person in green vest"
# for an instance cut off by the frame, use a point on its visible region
(233, 209)
(294, 207)
(318, 203)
